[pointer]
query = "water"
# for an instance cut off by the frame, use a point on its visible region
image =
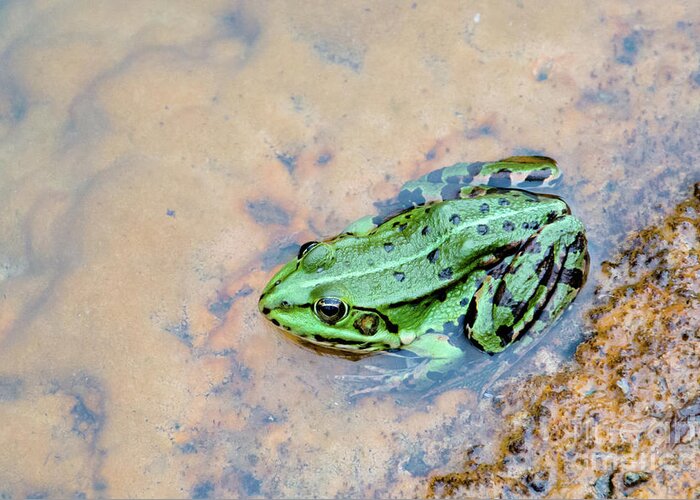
(158, 160)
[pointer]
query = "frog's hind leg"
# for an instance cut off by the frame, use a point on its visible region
(446, 183)
(455, 181)
(532, 289)
(522, 172)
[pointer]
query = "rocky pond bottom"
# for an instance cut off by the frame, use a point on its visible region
(623, 420)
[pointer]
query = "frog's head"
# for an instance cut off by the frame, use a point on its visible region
(309, 299)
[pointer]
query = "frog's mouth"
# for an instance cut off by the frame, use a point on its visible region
(334, 344)
(327, 348)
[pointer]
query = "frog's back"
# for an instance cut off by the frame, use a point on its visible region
(431, 246)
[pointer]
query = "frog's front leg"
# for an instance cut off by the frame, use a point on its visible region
(434, 357)
(533, 289)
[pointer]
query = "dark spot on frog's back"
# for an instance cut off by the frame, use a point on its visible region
(482, 229)
(266, 212)
(388, 247)
(433, 256)
(484, 208)
(508, 226)
(399, 276)
(425, 231)
(455, 219)
(445, 274)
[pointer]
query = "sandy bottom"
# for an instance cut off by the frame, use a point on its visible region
(159, 159)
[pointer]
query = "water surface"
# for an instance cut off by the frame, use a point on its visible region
(158, 160)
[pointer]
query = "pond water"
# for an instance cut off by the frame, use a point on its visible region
(159, 160)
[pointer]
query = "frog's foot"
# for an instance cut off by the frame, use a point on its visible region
(415, 375)
(426, 362)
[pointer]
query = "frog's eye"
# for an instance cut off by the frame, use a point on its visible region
(303, 250)
(330, 310)
(316, 257)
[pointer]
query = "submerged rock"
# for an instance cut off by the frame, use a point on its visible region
(630, 398)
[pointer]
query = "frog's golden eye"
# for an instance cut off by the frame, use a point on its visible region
(330, 310)
(303, 250)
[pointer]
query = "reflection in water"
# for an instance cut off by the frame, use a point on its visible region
(157, 160)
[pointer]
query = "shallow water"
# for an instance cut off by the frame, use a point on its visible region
(158, 160)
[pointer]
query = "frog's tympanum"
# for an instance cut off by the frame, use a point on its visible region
(462, 245)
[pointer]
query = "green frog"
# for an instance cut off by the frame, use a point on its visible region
(463, 250)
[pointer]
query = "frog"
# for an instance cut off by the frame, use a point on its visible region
(465, 251)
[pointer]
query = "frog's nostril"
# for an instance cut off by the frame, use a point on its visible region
(284, 303)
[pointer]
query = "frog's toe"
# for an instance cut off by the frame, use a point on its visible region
(359, 385)
(382, 380)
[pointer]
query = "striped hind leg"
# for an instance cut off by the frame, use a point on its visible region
(530, 290)
(448, 183)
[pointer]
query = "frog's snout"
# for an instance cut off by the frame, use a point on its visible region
(270, 301)
(263, 306)
(265, 302)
